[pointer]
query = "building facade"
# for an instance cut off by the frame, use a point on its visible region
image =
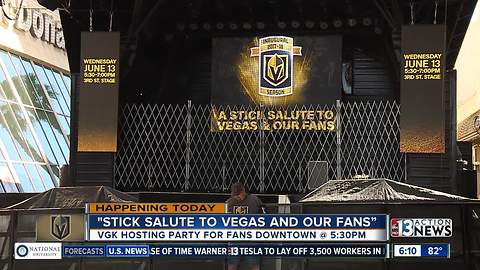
(34, 98)
(468, 95)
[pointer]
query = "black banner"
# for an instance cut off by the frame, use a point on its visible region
(289, 75)
(422, 120)
(98, 97)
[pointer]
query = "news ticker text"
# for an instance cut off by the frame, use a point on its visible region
(59, 250)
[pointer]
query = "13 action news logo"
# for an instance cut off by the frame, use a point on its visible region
(421, 227)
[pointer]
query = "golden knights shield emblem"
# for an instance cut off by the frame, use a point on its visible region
(60, 226)
(240, 209)
(275, 62)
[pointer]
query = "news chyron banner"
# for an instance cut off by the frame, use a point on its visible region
(238, 228)
(135, 230)
(98, 93)
(275, 83)
(422, 118)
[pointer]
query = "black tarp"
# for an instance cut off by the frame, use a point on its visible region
(379, 190)
(400, 200)
(73, 197)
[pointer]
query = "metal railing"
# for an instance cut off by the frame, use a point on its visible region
(172, 148)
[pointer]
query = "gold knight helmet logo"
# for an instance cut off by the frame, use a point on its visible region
(240, 209)
(275, 65)
(60, 226)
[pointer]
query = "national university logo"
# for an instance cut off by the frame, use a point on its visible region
(275, 72)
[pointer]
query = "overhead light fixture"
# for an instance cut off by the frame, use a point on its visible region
(260, 25)
(168, 37)
(180, 26)
(233, 26)
(193, 26)
(309, 24)
(295, 24)
(220, 26)
(207, 26)
(367, 21)
(323, 25)
(352, 22)
(247, 26)
(337, 23)
(282, 25)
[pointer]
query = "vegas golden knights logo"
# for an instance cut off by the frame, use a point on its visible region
(275, 68)
(60, 226)
(275, 62)
(240, 210)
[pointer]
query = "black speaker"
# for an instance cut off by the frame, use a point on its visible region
(467, 183)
